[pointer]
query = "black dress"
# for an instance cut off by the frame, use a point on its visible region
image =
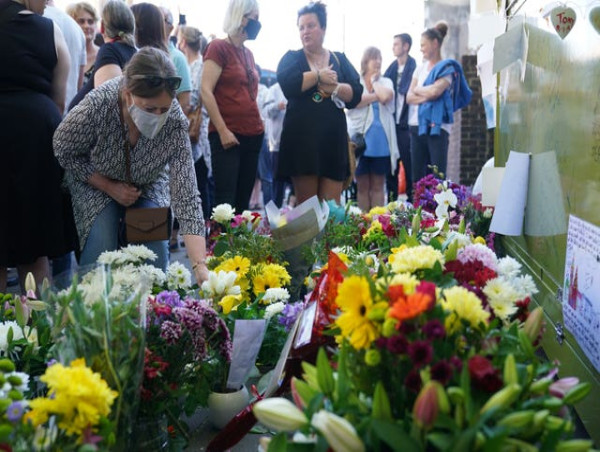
(314, 139)
(35, 219)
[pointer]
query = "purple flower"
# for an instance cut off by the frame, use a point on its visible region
(397, 344)
(413, 381)
(420, 353)
(14, 412)
(52, 362)
(290, 313)
(171, 332)
(169, 298)
(457, 363)
(434, 330)
(442, 372)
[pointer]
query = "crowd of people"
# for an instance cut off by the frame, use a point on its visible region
(125, 109)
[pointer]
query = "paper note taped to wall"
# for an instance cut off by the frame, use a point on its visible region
(510, 205)
(510, 47)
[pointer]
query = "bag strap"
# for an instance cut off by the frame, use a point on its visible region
(126, 144)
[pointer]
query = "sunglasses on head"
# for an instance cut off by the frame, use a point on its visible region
(154, 81)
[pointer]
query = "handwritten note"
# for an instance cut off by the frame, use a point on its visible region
(581, 289)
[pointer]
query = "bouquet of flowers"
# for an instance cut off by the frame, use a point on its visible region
(73, 416)
(425, 366)
(186, 345)
(108, 333)
(25, 332)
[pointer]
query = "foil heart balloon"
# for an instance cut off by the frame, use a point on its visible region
(563, 20)
(595, 18)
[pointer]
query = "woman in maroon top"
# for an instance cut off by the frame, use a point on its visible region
(229, 89)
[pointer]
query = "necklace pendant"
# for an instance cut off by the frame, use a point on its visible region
(317, 97)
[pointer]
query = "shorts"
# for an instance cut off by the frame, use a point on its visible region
(373, 165)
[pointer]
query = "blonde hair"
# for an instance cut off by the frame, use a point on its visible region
(118, 21)
(192, 37)
(370, 53)
(236, 10)
(76, 8)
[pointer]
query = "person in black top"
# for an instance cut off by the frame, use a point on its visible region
(318, 84)
(117, 26)
(33, 77)
(401, 72)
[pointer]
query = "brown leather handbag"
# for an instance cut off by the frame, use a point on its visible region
(143, 224)
(195, 119)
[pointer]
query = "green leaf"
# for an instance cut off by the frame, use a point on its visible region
(342, 386)
(381, 404)
(220, 249)
(278, 443)
(441, 441)
(394, 436)
(325, 373)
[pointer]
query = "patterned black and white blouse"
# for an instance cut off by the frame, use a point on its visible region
(90, 140)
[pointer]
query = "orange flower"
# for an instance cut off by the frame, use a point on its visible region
(410, 306)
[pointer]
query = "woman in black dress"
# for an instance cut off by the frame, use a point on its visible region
(33, 75)
(318, 84)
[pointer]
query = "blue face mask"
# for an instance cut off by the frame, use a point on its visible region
(252, 28)
(147, 123)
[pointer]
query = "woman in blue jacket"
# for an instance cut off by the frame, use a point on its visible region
(437, 90)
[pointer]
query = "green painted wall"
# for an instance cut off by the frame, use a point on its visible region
(557, 108)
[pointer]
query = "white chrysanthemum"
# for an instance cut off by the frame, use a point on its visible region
(275, 294)
(445, 200)
(274, 309)
(220, 284)
(462, 239)
(508, 267)
(24, 386)
(178, 276)
(223, 213)
(17, 332)
(111, 258)
(503, 308)
(354, 210)
(156, 277)
(499, 290)
(525, 286)
(138, 253)
(487, 213)
(247, 215)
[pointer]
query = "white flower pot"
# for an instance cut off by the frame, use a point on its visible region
(224, 406)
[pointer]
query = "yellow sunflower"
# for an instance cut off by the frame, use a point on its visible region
(355, 301)
(266, 279)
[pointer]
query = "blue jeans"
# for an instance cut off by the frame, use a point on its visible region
(106, 232)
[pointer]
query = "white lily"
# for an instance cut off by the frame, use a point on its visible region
(339, 433)
(279, 414)
(445, 200)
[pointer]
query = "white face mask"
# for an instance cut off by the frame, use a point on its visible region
(147, 123)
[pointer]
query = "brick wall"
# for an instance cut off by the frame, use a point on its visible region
(477, 142)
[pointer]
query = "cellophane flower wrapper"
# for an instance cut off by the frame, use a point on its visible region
(109, 333)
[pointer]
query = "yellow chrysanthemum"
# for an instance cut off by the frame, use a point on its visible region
(269, 276)
(377, 210)
(355, 301)
(373, 229)
(409, 282)
(462, 304)
(409, 260)
(77, 396)
(230, 303)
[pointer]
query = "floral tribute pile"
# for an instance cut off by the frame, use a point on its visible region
(436, 342)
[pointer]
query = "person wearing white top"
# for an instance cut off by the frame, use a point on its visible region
(274, 112)
(75, 40)
(374, 117)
